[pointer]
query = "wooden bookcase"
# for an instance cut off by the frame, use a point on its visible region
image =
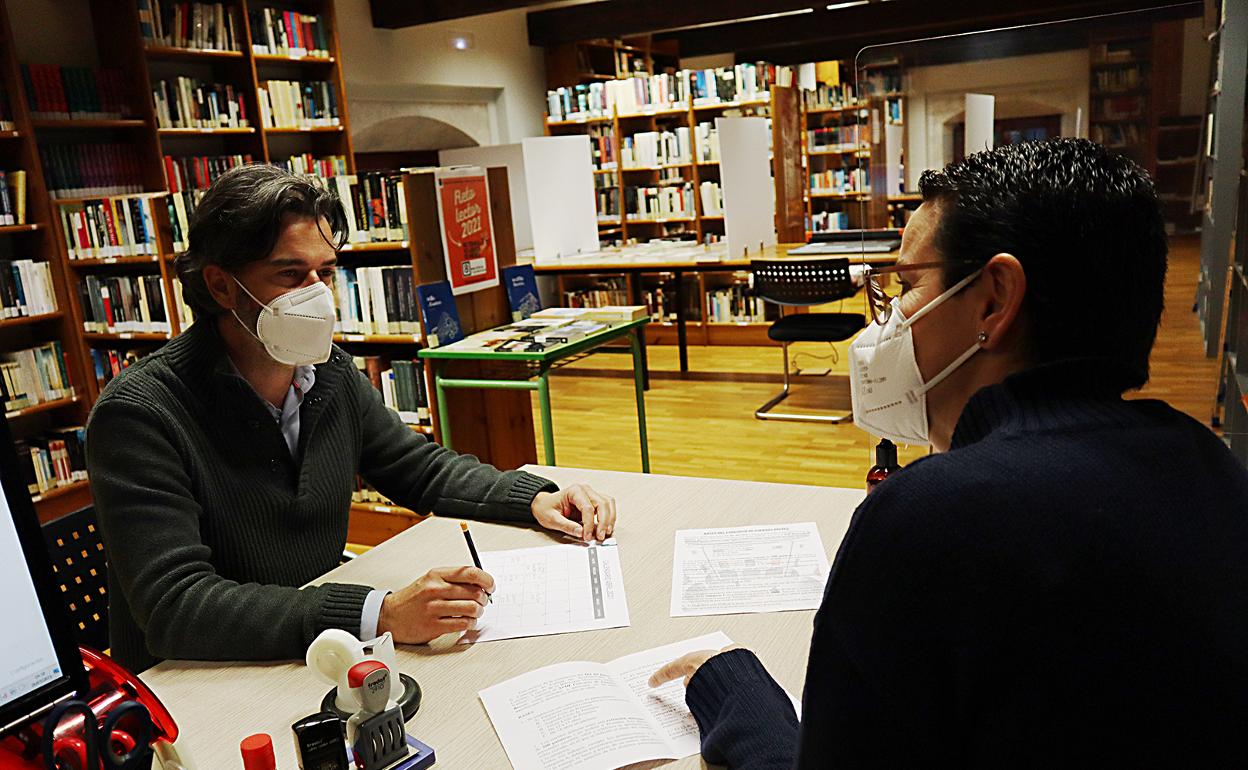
(507, 440)
(783, 107)
(590, 61)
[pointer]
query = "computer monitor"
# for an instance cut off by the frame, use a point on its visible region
(39, 659)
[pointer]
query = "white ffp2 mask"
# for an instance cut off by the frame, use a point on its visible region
(888, 393)
(296, 328)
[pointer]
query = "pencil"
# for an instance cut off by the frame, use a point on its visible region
(472, 549)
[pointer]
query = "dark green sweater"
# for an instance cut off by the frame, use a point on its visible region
(211, 526)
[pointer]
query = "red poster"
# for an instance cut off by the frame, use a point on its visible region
(467, 234)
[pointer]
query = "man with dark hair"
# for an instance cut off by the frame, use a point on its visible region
(1066, 582)
(222, 465)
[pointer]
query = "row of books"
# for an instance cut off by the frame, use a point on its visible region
(841, 180)
(607, 194)
(1116, 134)
(306, 163)
(745, 82)
(734, 305)
(828, 221)
(1118, 108)
(376, 300)
(203, 26)
(191, 103)
(375, 205)
(63, 93)
(882, 81)
(124, 304)
(660, 304)
(657, 148)
(34, 376)
(109, 363)
(712, 199)
(660, 202)
(608, 292)
(894, 110)
(706, 137)
(13, 197)
(26, 288)
(56, 459)
(109, 227)
(366, 493)
(402, 384)
(847, 138)
(196, 172)
(1119, 79)
(602, 147)
(289, 33)
(91, 170)
(641, 94)
(297, 104)
(833, 97)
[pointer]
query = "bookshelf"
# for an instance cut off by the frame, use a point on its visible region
(600, 60)
(1122, 110)
(690, 163)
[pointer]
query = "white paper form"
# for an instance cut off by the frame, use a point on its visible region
(555, 589)
(766, 568)
(540, 716)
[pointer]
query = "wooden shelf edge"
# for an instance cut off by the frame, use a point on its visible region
(384, 508)
(305, 130)
(381, 339)
(60, 491)
(240, 131)
(284, 59)
(376, 246)
(27, 320)
(46, 406)
(14, 229)
(126, 336)
(107, 261)
(178, 52)
(72, 123)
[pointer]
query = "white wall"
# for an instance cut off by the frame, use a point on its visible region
(1050, 83)
(502, 67)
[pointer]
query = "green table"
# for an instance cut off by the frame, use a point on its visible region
(541, 364)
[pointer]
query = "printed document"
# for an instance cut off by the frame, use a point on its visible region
(731, 570)
(556, 589)
(541, 716)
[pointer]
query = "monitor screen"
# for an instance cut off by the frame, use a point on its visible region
(39, 659)
(27, 654)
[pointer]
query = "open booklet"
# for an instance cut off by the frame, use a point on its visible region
(540, 717)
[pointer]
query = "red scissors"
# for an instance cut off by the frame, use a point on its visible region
(75, 739)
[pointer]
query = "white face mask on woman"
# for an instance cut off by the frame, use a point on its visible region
(296, 328)
(888, 393)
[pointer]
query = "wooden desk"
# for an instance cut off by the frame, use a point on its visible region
(217, 705)
(678, 269)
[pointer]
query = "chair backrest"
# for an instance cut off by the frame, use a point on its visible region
(802, 282)
(81, 571)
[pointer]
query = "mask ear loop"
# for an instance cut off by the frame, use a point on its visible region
(234, 313)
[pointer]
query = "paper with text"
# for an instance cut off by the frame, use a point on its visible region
(541, 716)
(766, 568)
(556, 589)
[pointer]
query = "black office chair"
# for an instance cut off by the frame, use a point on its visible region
(80, 569)
(803, 283)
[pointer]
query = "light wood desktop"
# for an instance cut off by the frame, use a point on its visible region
(216, 705)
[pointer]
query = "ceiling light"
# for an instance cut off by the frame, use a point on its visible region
(463, 42)
(851, 4)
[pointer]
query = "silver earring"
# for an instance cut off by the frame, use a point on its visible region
(983, 337)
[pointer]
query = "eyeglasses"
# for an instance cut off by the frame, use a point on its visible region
(878, 299)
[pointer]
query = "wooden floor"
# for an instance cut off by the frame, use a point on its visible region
(704, 425)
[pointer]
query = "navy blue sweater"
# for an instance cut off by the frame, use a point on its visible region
(1067, 586)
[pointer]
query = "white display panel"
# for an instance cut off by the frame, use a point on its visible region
(749, 192)
(979, 117)
(560, 178)
(27, 656)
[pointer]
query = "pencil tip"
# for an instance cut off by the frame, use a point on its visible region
(463, 526)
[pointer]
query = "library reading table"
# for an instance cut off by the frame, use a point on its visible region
(216, 705)
(540, 365)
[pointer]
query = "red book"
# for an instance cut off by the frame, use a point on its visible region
(58, 91)
(108, 307)
(171, 175)
(109, 224)
(292, 34)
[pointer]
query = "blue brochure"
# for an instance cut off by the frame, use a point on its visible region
(437, 309)
(522, 291)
